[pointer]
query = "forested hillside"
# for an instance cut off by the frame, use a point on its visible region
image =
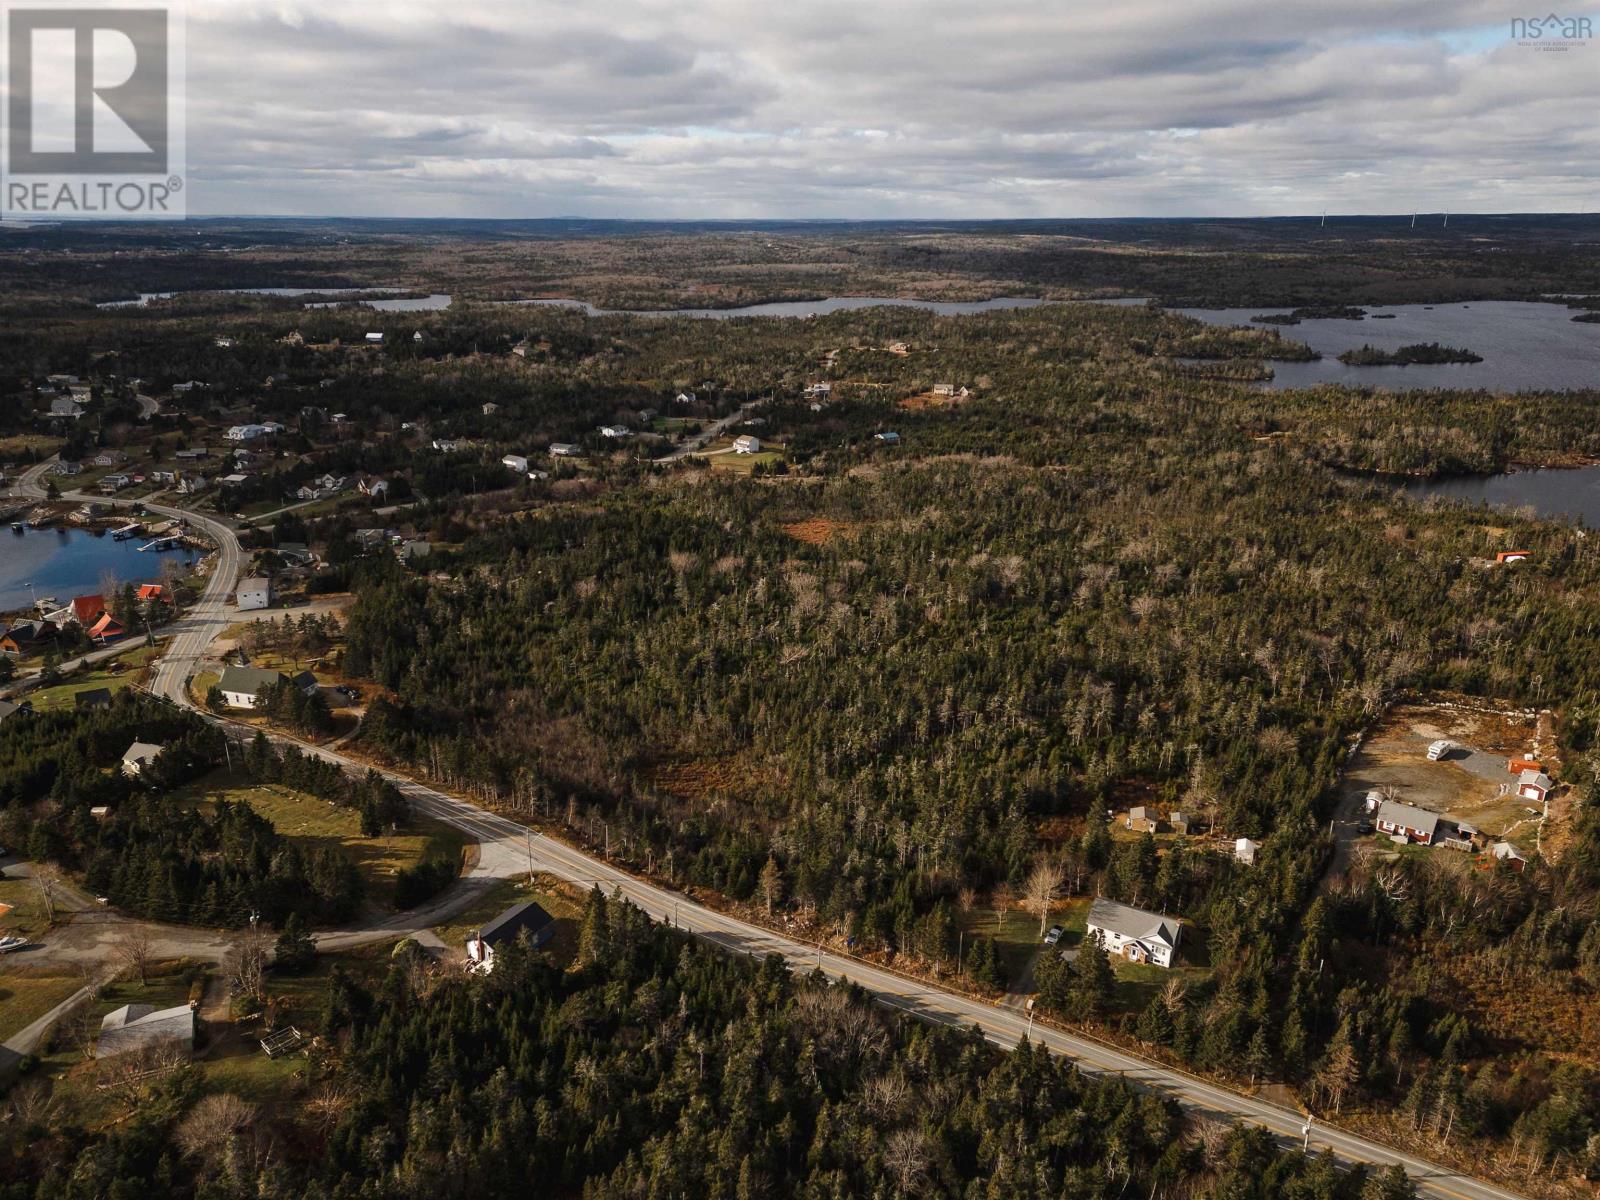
(910, 671)
(660, 1068)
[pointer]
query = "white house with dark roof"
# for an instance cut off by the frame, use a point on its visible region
(527, 917)
(1133, 933)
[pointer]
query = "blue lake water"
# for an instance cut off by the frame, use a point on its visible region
(398, 304)
(803, 308)
(70, 562)
(1526, 346)
(1550, 493)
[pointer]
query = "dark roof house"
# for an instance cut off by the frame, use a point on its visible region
(507, 927)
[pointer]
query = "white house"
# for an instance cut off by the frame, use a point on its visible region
(505, 929)
(374, 339)
(944, 389)
(1245, 851)
(888, 438)
(1136, 935)
(747, 444)
(515, 462)
(819, 391)
(490, 408)
(377, 489)
(241, 687)
(139, 756)
(615, 431)
(245, 433)
(684, 398)
(255, 592)
(565, 450)
(1534, 785)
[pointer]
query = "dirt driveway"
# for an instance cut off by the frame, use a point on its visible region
(1472, 783)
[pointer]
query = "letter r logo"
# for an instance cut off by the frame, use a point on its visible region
(88, 91)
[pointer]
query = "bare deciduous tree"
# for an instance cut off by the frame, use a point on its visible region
(907, 1155)
(209, 1130)
(47, 879)
(246, 964)
(1040, 889)
(132, 949)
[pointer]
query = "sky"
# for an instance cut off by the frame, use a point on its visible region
(846, 109)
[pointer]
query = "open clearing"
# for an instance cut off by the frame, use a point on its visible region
(311, 821)
(818, 531)
(1472, 785)
(561, 901)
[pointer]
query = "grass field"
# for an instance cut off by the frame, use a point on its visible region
(62, 695)
(742, 464)
(27, 993)
(310, 821)
(27, 915)
(556, 899)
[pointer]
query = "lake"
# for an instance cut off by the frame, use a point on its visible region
(399, 304)
(1526, 346)
(1551, 493)
(804, 308)
(69, 562)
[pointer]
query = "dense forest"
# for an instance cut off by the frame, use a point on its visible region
(659, 1068)
(903, 674)
(872, 684)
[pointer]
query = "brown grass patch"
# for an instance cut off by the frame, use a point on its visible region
(926, 400)
(1532, 1009)
(818, 531)
(704, 778)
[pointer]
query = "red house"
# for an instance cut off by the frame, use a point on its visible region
(150, 591)
(86, 610)
(106, 628)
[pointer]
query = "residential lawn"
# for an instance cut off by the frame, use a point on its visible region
(1016, 938)
(312, 821)
(741, 464)
(557, 899)
(27, 993)
(27, 915)
(61, 695)
(17, 446)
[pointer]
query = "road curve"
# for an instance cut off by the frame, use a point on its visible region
(506, 847)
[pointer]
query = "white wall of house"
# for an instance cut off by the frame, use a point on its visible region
(1157, 951)
(255, 596)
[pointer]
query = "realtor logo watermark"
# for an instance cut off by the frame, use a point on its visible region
(1552, 32)
(94, 114)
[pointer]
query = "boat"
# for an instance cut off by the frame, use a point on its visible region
(17, 527)
(163, 543)
(127, 531)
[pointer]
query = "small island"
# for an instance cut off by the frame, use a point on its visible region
(1318, 312)
(1428, 353)
(1590, 318)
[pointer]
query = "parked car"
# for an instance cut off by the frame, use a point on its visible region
(1054, 936)
(12, 942)
(1364, 828)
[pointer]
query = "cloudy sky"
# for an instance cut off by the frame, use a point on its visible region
(843, 108)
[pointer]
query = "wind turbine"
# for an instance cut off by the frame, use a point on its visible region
(1413, 220)
(1447, 220)
(1324, 224)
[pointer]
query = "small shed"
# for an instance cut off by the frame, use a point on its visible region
(1245, 851)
